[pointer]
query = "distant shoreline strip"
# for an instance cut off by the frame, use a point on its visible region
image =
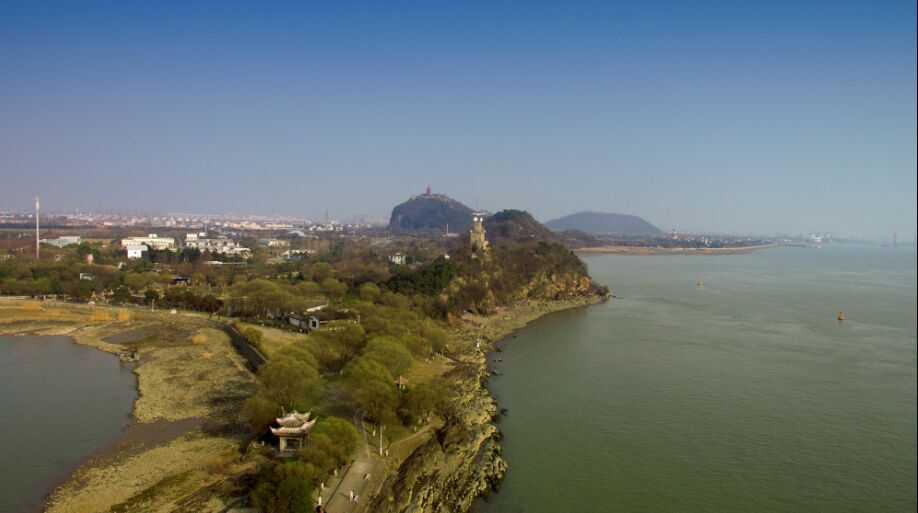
(645, 250)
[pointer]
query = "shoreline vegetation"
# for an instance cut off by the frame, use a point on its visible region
(382, 342)
(182, 450)
(649, 250)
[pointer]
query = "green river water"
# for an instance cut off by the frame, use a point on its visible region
(745, 394)
(59, 403)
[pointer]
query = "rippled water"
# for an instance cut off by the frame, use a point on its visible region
(745, 394)
(59, 402)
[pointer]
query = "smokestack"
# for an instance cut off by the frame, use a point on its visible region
(37, 243)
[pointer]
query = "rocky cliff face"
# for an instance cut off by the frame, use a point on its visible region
(478, 291)
(557, 285)
(462, 460)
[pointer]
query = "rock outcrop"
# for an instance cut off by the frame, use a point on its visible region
(462, 460)
(459, 462)
(431, 212)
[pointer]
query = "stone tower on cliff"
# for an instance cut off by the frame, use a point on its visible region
(477, 241)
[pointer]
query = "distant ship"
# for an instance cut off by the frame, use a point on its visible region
(841, 316)
(894, 242)
(813, 241)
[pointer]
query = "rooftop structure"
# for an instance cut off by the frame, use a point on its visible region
(222, 245)
(273, 243)
(477, 240)
(62, 241)
(297, 254)
(136, 250)
(151, 241)
(293, 431)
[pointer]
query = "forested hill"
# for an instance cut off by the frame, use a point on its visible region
(516, 226)
(431, 212)
(605, 223)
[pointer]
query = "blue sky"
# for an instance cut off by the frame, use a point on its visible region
(745, 117)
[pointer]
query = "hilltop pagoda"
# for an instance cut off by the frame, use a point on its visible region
(293, 431)
(477, 240)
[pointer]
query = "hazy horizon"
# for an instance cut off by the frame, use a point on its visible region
(715, 117)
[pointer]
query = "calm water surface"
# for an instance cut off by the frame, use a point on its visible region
(59, 402)
(745, 394)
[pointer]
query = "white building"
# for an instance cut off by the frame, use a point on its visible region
(397, 259)
(151, 241)
(296, 254)
(65, 240)
(216, 245)
(136, 250)
(273, 243)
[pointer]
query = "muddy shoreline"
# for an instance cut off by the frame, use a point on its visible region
(179, 446)
(133, 438)
(64, 472)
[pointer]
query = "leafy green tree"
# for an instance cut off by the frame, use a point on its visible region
(369, 292)
(137, 281)
(308, 289)
(287, 487)
(338, 435)
(334, 290)
(389, 352)
(423, 400)
(321, 271)
(121, 294)
(298, 353)
(373, 387)
(336, 343)
(83, 249)
(290, 383)
(317, 455)
(260, 413)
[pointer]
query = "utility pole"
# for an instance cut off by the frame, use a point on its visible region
(37, 243)
(381, 428)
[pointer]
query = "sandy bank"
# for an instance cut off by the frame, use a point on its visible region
(183, 446)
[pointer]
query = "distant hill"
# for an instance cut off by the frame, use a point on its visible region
(604, 223)
(516, 226)
(431, 212)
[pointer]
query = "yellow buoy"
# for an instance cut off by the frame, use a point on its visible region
(841, 316)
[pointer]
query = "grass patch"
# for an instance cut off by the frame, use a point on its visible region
(273, 339)
(150, 494)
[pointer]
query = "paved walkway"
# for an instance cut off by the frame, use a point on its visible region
(364, 476)
(336, 495)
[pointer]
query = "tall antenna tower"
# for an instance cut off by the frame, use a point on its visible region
(37, 243)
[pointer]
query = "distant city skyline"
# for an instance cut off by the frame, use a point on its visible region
(716, 117)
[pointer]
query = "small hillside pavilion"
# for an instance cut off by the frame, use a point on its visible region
(293, 431)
